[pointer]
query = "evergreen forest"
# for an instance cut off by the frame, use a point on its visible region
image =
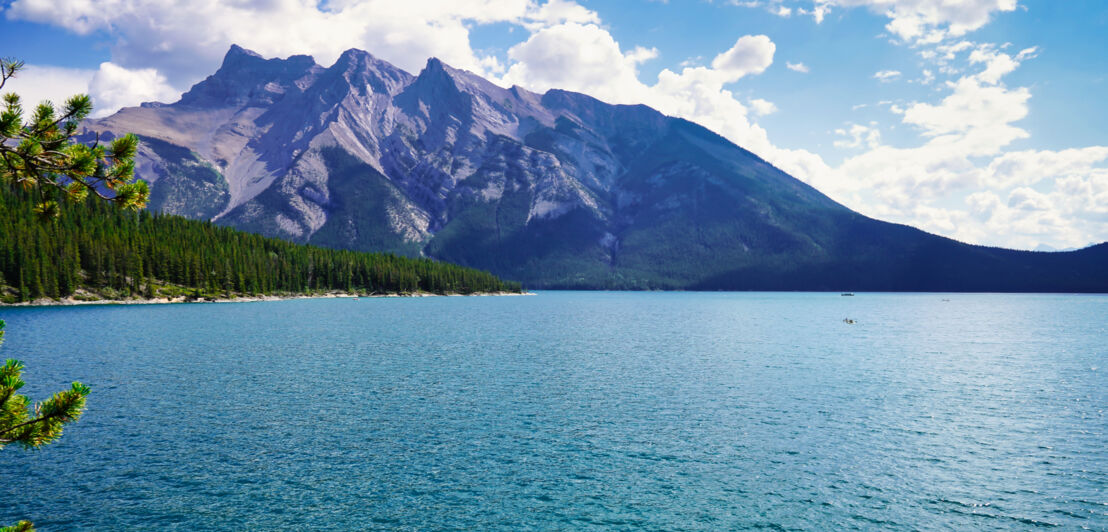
(95, 250)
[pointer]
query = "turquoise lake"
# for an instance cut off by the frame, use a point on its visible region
(570, 411)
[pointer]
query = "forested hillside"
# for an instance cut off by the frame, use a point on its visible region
(94, 250)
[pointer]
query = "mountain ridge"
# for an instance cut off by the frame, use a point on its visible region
(556, 189)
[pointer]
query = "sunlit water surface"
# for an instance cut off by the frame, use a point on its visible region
(571, 410)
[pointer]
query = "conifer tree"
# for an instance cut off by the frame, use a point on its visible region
(40, 158)
(39, 154)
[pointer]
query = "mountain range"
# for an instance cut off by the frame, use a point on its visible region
(557, 190)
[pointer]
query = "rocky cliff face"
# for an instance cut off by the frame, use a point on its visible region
(557, 189)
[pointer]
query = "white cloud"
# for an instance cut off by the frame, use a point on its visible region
(762, 107)
(186, 40)
(1018, 199)
(997, 65)
(859, 136)
(167, 36)
(923, 21)
(641, 54)
(556, 12)
(774, 7)
(751, 54)
(588, 59)
(1029, 167)
(581, 57)
(818, 11)
(113, 87)
(797, 67)
(36, 83)
(973, 110)
(1027, 199)
(886, 75)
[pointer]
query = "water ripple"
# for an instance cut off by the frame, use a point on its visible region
(595, 411)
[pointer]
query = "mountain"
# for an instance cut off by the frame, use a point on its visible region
(556, 190)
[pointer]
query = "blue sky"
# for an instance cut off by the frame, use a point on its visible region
(983, 120)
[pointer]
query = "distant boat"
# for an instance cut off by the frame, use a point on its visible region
(848, 293)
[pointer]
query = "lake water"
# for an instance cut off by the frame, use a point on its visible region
(571, 410)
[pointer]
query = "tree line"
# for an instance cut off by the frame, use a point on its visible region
(96, 246)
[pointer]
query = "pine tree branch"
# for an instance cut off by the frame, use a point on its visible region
(43, 168)
(22, 526)
(31, 422)
(4, 399)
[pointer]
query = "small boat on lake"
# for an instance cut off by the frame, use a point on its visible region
(848, 293)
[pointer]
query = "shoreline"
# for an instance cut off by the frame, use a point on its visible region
(70, 301)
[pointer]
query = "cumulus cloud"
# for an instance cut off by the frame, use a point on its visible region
(762, 107)
(1012, 198)
(110, 86)
(113, 87)
(818, 11)
(1015, 198)
(751, 54)
(581, 57)
(797, 67)
(167, 36)
(923, 21)
(886, 75)
(586, 58)
(36, 83)
(858, 136)
(559, 12)
(1029, 167)
(973, 109)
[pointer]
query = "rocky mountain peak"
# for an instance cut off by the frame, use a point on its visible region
(462, 80)
(246, 77)
(238, 55)
(435, 90)
(435, 72)
(360, 68)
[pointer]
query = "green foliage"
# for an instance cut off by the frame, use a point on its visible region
(42, 425)
(32, 429)
(35, 428)
(22, 526)
(96, 248)
(37, 154)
